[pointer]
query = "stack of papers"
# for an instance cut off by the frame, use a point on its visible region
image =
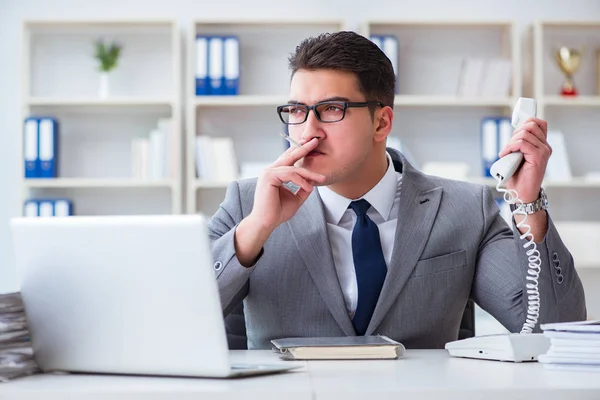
(573, 346)
(16, 354)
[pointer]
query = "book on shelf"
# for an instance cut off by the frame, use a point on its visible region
(559, 167)
(338, 348)
(47, 208)
(496, 132)
(389, 45)
(484, 77)
(215, 159)
(217, 65)
(155, 157)
(40, 147)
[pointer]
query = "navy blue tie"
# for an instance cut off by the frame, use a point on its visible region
(369, 265)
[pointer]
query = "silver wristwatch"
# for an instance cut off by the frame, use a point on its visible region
(540, 204)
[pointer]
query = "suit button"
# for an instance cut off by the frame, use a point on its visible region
(218, 266)
(560, 279)
(558, 271)
(555, 257)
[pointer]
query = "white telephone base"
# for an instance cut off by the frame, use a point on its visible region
(514, 347)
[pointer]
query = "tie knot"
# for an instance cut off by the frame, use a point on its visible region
(360, 207)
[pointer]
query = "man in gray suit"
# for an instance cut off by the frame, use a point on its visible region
(369, 245)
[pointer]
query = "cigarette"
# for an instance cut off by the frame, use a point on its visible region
(289, 139)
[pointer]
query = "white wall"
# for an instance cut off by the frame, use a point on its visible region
(12, 12)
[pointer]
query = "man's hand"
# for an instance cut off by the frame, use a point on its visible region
(530, 140)
(273, 203)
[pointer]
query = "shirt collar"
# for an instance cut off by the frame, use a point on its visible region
(381, 197)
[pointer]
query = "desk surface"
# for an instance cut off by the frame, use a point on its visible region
(421, 374)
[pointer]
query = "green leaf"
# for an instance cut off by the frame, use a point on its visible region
(107, 55)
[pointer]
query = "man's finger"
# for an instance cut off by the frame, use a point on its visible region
(533, 127)
(309, 175)
(294, 154)
(284, 178)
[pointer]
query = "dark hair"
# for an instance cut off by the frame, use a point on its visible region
(349, 52)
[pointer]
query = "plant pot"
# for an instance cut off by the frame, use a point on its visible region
(103, 89)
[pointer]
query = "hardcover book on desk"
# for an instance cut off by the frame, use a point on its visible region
(338, 348)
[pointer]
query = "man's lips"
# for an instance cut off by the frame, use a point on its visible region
(314, 153)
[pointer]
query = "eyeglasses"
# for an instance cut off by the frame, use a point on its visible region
(325, 111)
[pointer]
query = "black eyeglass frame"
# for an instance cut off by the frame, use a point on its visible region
(345, 104)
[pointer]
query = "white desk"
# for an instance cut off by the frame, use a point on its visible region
(422, 374)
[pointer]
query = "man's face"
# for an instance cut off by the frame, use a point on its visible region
(344, 146)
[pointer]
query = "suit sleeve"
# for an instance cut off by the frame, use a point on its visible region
(232, 277)
(503, 267)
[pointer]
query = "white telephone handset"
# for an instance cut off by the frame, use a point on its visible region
(524, 346)
(505, 167)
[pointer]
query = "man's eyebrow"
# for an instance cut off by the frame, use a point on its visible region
(334, 98)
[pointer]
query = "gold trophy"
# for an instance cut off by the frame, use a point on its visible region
(568, 60)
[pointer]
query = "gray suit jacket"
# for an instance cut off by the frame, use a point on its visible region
(451, 245)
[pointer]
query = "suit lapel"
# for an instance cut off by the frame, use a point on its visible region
(309, 231)
(418, 209)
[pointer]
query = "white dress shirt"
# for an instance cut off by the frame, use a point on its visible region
(384, 198)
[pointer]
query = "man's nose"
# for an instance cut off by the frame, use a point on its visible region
(312, 127)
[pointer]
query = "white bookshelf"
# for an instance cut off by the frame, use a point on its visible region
(75, 183)
(580, 101)
(434, 122)
(60, 80)
(250, 117)
(576, 117)
(96, 102)
(423, 46)
(574, 204)
(240, 100)
(451, 101)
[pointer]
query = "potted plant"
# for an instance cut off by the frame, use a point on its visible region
(108, 56)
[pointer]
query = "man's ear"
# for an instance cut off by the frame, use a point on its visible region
(383, 123)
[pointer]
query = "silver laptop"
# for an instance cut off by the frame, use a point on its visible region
(124, 294)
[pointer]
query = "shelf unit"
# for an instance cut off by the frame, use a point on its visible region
(61, 80)
(75, 183)
(424, 44)
(547, 36)
(574, 209)
(94, 102)
(249, 117)
(434, 123)
(450, 101)
(576, 117)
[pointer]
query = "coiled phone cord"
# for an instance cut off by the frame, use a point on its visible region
(534, 258)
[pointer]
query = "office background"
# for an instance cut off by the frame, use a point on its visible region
(576, 202)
